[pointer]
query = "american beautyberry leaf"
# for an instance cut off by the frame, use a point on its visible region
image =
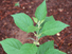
(41, 11)
(54, 51)
(28, 49)
(11, 46)
(53, 27)
(23, 21)
(46, 46)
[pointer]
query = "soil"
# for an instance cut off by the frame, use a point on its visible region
(60, 9)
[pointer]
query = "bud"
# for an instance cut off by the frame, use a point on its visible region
(36, 43)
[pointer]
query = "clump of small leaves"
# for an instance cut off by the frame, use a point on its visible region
(45, 26)
(17, 4)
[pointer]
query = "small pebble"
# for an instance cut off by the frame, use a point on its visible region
(59, 38)
(60, 10)
(27, 11)
(29, 6)
(58, 34)
(23, 7)
(69, 52)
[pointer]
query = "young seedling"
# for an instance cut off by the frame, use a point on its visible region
(45, 26)
(17, 4)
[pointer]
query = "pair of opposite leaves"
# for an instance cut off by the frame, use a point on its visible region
(14, 46)
(49, 27)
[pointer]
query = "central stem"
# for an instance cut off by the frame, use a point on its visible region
(37, 35)
(37, 39)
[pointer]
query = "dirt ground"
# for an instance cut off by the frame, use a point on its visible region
(60, 9)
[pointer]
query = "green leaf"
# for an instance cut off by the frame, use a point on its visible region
(32, 29)
(17, 4)
(11, 45)
(35, 19)
(47, 19)
(54, 51)
(41, 11)
(23, 21)
(28, 49)
(51, 18)
(46, 46)
(53, 27)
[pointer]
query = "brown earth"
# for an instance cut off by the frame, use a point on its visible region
(60, 9)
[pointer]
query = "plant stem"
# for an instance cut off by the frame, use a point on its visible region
(37, 39)
(38, 28)
(37, 35)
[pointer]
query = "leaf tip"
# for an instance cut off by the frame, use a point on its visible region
(12, 15)
(68, 25)
(0, 42)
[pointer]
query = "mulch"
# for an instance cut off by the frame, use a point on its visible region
(60, 9)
